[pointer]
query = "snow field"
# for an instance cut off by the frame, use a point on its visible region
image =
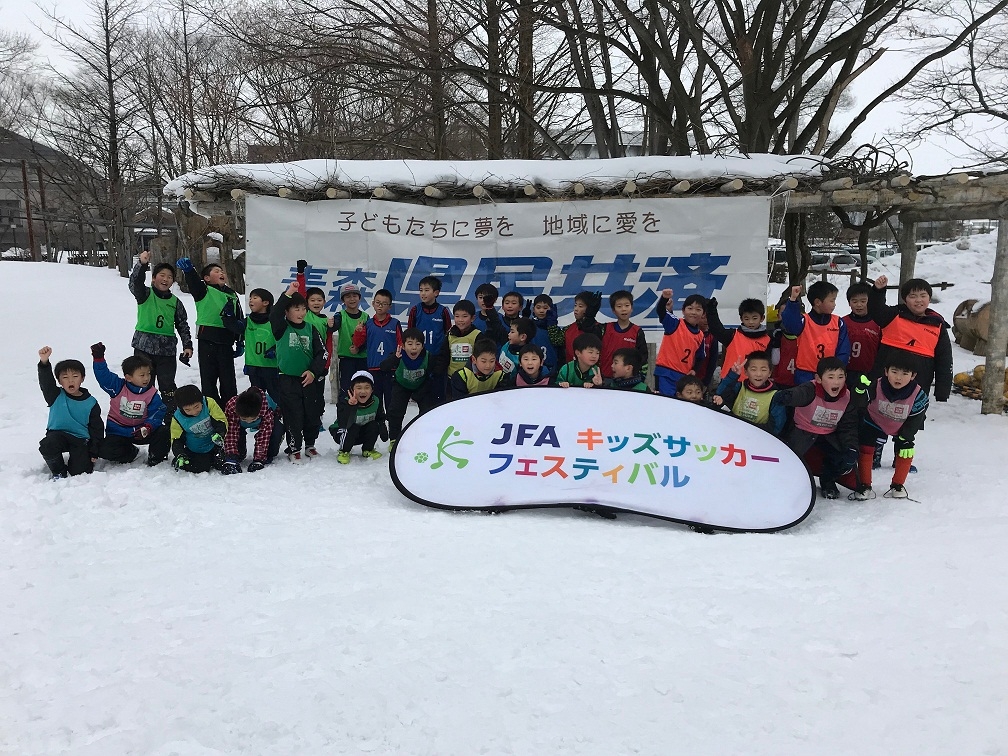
(315, 610)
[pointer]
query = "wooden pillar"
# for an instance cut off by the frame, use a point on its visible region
(36, 252)
(997, 334)
(907, 247)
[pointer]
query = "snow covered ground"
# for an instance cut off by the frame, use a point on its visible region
(315, 610)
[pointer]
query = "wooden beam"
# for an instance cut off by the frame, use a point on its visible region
(732, 186)
(433, 192)
(237, 194)
(907, 248)
(983, 191)
(630, 187)
(530, 190)
(682, 187)
(479, 191)
(788, 184)
(835, 184)
(333, 193)
(997, 333)
(381, 192)
(579, 189)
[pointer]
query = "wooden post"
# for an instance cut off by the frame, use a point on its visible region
(997, 334)
(36, 252)
(907, 247)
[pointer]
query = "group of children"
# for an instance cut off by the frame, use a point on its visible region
(841, 385)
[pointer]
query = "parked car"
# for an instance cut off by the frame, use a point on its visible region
(844, 263)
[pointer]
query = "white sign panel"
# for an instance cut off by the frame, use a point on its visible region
(621, 450)
(708, 246)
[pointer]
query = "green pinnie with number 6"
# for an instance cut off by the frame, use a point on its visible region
(159, 315)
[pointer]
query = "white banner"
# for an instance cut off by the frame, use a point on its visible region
(623, 450)
(708, 246)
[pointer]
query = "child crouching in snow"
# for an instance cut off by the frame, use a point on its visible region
(75, 424)
(197, 431)
(251, 411)
(360, 419)
(136, 411)
(896, 407)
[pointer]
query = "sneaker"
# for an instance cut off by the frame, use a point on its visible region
(829, 490)
(343, 458)
(913, 468)
(296, 457)
(58, 476)
(311, 451)
(371, 454)
(896, 491)
(864, 493)
(391, 445)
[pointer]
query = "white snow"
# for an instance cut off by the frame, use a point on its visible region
(217, 237)
(315, 610)
(552, 175)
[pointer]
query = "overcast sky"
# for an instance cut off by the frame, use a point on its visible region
(937, 156)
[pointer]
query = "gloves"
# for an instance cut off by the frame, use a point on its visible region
(231, 467)
(140, 434)
(593, 306)
(908, 452)
(527, 309)
(383, 432)
(256, 467)
(182, 461)
(863, 383)
(239, 349)
(302, 266)
(553, 316)
(270, 353)
(218, 439)
(185, 265)
(712, 303)
(849, 460)
(98, 352)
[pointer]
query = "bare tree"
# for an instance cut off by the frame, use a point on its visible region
(18, 83)
(966, 97)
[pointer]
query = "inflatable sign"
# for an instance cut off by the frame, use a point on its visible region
(613, 450)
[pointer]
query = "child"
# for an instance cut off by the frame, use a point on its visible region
(434, 321)
(511, 308)
(707, 361)
(300, 361)
(820, 333)
(360, 419)
(529, 370)
(522, 332)
(915, 328)
(136, 413)
(689, 388)
(345, 322)
(482, 375)
(751, 336)
(583, 370)
(197, 432)
(626, 371)
(544, 316)
(315, 298)
(221, 328)
(411, 370)
(783, 346)
(457, 349)
(586, 307)
(622, 334)
(863, 333)
(682, 343)
(487, 318)
(825, 416)
(752, 398)
(75, 424)
(260, 345)
(159, 315)
(379, 337)
(251, 410)
(896, 407)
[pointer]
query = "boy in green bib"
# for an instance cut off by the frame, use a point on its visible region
(159, 315)
(260, 346)
(300, 360)
(220, 330)
(345, 322)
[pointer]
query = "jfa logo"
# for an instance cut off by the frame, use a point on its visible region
(133, 410)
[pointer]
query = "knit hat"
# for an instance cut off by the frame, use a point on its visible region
(349, 288)
(362, 375)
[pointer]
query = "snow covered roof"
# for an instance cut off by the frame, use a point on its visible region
(307, 179)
